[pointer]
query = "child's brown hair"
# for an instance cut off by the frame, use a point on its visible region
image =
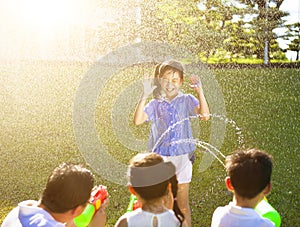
(150, 176)
(249, 171)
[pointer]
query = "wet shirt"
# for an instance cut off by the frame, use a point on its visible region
(143, 218)
(171, 127)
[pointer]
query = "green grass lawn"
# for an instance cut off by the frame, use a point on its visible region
(36, 110)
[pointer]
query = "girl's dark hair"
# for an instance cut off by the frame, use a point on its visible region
(176, 209)
(173, 65)
(154, 191)
(157, 92)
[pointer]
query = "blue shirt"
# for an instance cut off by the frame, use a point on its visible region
(28, 214)
(170, 124)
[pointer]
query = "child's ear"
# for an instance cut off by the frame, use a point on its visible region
(228, 184)
(169, 189)
(267, 189)
(131, 190)
(182, 80)
(77, 210)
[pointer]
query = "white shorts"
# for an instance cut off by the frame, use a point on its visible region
(184, 167)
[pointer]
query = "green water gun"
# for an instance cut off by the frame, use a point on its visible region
(133, 204)
(98, 197)
(265, 209)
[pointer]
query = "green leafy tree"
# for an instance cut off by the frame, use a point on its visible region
(185, 23)
(265, 19)
(216, 17)
(206, 28)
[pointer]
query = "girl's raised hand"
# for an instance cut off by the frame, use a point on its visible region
(148, 87)
(195, 82)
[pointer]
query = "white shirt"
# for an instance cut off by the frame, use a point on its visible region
(235, 216)
(140, 218)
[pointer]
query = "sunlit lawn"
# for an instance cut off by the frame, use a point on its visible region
(36, 108)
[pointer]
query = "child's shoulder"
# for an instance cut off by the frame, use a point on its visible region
(221, 209)
(189, 96)
(188, 99)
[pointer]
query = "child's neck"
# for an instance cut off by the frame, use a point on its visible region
(245, 202)
(170, 98)
(154, 206)
(60, 217)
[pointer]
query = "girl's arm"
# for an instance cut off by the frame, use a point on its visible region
(140, 116)
(202, 109)
(122, 222)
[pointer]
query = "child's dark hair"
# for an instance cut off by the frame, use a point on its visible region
(67, 187)
(173, 65)
(176, 209)
(144, 180)
(157, 92)
(249, 171)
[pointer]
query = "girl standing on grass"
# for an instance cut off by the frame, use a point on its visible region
(169, 114)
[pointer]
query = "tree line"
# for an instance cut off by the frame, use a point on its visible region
(221, 29)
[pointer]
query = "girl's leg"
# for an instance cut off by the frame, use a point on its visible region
(183, 202)
(184, 169)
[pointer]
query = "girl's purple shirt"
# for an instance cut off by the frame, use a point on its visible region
(165, 115)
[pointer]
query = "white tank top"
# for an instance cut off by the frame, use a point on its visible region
(140, 218)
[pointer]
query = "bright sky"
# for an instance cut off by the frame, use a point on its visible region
(39, 28)
(293, 7)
